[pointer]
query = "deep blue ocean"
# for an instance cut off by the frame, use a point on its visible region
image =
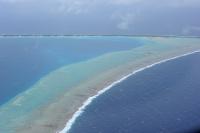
(161, 99)
(24, 60)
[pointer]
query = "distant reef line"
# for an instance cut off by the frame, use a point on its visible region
(93, 35)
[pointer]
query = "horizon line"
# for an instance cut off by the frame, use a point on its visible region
(66, 35)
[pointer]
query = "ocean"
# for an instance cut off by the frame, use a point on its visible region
(160, 99)
(25, 60)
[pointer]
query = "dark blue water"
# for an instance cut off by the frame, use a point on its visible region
(162, 99)
(23, 61)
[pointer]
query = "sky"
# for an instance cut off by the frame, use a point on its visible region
(99, 17)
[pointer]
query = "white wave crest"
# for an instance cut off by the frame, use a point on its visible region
(90, 99)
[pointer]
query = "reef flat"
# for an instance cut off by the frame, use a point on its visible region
(59, 94)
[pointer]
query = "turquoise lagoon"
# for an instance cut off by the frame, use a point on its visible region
(24, 61)
(35, 71)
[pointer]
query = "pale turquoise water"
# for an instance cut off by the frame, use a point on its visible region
(74, 59)
(25, 61)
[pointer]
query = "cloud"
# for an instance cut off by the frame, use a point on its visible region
(83, 6)
(75, 6)
(124, 20)
(117, 14)
(12, 1)
(190, 29)
(125, 2)
(184, 3)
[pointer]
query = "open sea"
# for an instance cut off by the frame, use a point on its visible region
(161, 99)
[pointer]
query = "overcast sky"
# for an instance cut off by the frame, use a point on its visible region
(154, 17)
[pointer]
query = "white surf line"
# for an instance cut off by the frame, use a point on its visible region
(90, 99)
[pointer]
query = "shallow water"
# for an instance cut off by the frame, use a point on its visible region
(164, 98)
(24, 60)
(33, 109)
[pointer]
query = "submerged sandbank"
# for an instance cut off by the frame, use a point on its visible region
(72, 85)
(147, 56)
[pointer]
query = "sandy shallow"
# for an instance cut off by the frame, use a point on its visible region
(104, 70)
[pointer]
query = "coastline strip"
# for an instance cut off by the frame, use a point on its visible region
(81, 109)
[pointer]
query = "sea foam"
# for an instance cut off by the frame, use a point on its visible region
(90, 99)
